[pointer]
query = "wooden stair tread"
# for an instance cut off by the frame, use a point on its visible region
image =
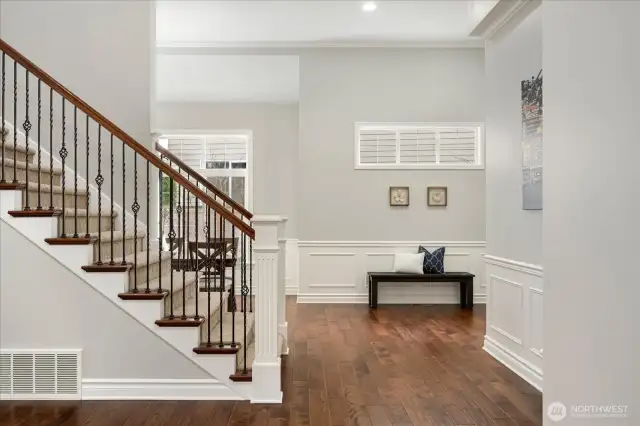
(179, 322)
(240, 376)
(9, 186)
(143, 295)
(35, 213)
(106, 267)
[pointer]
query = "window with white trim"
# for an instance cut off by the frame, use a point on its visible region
(221, 159)
(419, 146)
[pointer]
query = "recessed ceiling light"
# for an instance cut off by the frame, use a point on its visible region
(369, 6)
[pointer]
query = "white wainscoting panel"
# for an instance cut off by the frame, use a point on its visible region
(514, 316)
(336, 271)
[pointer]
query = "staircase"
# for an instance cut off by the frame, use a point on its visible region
(185, 270)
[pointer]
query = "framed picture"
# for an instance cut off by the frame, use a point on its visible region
(437, 196)
(399, 196)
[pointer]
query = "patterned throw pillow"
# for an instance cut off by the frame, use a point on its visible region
(433, 261)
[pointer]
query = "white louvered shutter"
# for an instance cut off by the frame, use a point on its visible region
(222, 150)
(377, 146)
(414, 146)
(190, 151)
(458, 146)
(418, 146)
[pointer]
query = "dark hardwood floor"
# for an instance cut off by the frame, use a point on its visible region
(399, 365)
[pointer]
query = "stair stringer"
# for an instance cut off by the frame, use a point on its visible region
(110, 284)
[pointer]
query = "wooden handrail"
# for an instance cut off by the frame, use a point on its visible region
(211, 187)
(125, 138)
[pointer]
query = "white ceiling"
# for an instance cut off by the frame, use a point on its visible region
(310, 22)
(227, 78)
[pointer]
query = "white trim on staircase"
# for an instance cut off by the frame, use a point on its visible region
(156, 389)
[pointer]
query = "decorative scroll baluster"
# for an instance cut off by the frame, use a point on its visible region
(75, 172)
(180, 237)
(15, 123)
(250, 275)
(232, 290)
(160, 230)
(221, 288)
(185, 218)
(148, 290)
(111, 220)
(99, 181)
(245, 291)
(183, 261)
(135, 207)
(172, 236)
(39, 206)
(51, 150)
(27, 128)
(63, 155)
(86, 233)
(197, 258)
(124, 202)
(207, 235)
(4, 116)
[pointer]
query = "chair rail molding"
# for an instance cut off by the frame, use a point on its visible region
(514, 334)
(336, 271)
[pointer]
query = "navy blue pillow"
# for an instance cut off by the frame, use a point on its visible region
(433, 261)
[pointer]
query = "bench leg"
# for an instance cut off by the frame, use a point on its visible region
(469, 293)
(373, 294)
(463, 294)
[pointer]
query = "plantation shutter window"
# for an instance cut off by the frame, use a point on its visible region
(416, 146)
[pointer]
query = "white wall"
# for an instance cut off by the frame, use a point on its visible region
(341, 86)
(345, 224)
(275, 137)
(49, 307)
(591, 208)
(101, 51)
(514, 236)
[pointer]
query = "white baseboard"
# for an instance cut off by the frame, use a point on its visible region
(156, 389)
(359, 298)
(521, 367)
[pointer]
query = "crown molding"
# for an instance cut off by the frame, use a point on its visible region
(209, 48)
(503, 13)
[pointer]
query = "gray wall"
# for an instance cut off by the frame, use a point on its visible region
(64, 312)
(341, 86)
(591, 206)
(512, 233)
(101, 51)
(275, 146)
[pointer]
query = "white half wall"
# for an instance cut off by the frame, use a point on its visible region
(336, 271)
(514, 316)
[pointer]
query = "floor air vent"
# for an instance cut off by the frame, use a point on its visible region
(40, 374)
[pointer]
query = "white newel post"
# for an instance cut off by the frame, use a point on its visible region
(266, 365)
(283, 347)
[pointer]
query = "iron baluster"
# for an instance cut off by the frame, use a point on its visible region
(39, 206)
(51, 149)
(15, 122)
(63, 155)
(27, 128)
(75, 172)
(124, 202)
(160, 230)
(172, 236)
(148, 290)
(86, 234)
(4, 130)
(111, 221)
(135, 207)
(99, 181)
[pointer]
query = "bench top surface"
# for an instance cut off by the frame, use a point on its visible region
(409, 276)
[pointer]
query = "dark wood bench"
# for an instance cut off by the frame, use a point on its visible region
(464, 278)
